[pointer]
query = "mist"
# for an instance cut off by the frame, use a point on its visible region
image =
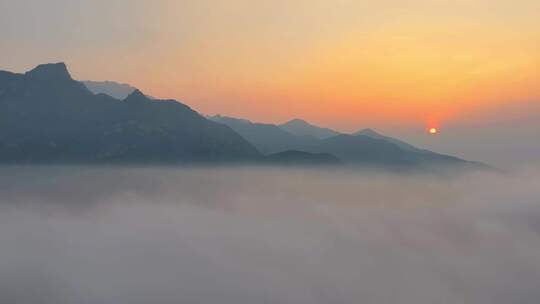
(267, 235)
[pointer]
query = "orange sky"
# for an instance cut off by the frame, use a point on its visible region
(341, 63)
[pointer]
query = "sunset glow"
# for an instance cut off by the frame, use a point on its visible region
(333, 62)
(270, 151)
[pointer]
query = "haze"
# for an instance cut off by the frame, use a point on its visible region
(141, 235)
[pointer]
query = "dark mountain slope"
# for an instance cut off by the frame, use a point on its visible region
(46, 116)
(362, 149)
(368, 151)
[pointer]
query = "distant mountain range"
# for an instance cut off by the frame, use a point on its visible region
(403, 145)
(111, 88)
(365, 147)
(268, 138)
(301, 127)
(47, 117)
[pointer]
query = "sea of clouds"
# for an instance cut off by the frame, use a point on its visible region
(267, 235)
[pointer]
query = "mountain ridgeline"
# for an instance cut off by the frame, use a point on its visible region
(47, 117)
(364, 148)
(301, 127)
(268, 138)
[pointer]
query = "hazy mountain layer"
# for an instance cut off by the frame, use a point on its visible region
(368, 151)
(371, 133)
(301, 127)
(366, 148)
(268, 138)
(111, 88)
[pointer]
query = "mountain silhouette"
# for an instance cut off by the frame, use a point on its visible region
(46, 116)
(268, 138)
(365, 148)
(372, 152)
(373, 134)
(301, 127)
(111, 88)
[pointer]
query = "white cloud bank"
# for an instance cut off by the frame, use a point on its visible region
(248, 235)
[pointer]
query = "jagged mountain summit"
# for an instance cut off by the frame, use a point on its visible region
(301, 127)
(47, 117)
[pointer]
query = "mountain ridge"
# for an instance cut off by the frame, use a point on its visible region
(364, 148)
(301, 127)
(374, 134)
(268, 138)
(47, 117)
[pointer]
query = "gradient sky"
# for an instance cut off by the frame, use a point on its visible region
(392, 65)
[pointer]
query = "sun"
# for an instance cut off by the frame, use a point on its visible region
(433, 131)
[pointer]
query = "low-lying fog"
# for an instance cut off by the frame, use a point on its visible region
(266, 235)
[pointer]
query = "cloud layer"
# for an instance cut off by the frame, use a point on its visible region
(250, 235)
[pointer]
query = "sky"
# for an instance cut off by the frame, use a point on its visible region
(397, 66)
